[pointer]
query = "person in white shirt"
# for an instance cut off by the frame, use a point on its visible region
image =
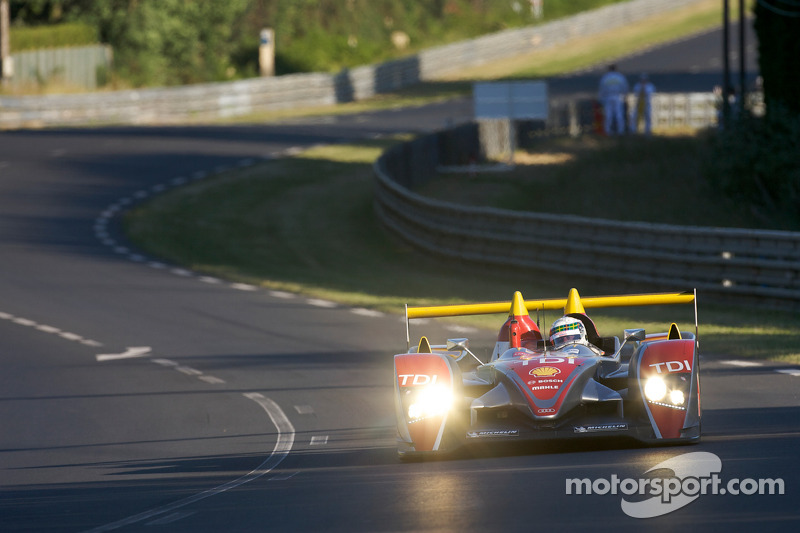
(612, 93)
(642, 110)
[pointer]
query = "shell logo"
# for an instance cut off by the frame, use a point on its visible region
(544, 371)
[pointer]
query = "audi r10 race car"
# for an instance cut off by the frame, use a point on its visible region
(572, 384)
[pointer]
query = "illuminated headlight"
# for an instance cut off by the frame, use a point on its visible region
(676, 397)
(655, 389)
(430, 401)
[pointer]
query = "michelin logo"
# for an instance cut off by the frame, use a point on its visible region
(492, 433)
(600, 427)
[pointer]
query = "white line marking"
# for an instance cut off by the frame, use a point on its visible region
(157, 265)
(367, 312)
(283, 446)
(164, 362)
(49, 329)
(131, 352)
(304, 409)
(189, 371)
(243, 287)
(211, 379)
(790, 371)
(742, 363)
(319, 440)
(210, 280)
(316, 302)
(90, 342)
(282, 294)
(181, 272)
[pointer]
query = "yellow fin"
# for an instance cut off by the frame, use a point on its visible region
(518, 305)
(574, 304)
(674, 332)
(424, 346)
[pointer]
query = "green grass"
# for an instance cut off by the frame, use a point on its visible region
(660, 179)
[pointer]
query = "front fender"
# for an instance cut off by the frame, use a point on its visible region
(426, 389)
(670, 367)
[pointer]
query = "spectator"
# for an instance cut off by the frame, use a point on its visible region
(642, 110)
(612, 93)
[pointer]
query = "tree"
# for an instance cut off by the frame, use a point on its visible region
(777, 25)
(167, 42)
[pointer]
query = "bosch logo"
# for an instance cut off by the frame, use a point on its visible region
(416, 379)
(543, 371)
(673, 366)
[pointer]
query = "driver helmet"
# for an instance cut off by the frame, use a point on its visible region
(568, 330)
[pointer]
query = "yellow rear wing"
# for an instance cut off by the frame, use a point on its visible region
(573, 303)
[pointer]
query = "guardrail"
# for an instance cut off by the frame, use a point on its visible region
(736, 265)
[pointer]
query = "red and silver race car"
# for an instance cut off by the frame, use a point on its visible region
(573, 384)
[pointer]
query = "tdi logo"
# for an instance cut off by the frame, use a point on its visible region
(407, 380)
(673, 366)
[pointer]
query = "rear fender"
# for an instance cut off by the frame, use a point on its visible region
(670, 367)
(426, 386)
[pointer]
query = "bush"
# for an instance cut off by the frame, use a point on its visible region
(755, 159)
(52, 36)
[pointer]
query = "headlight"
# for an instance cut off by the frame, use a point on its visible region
(655, 389)
(430, 401)
(677, 397)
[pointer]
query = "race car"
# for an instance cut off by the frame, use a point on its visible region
(573, 384)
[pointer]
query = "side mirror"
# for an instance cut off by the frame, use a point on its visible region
(637, 334)
(463, 346)
(457, 344)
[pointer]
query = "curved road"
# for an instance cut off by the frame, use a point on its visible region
(137, 396)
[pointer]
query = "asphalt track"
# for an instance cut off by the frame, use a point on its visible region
(138, 396)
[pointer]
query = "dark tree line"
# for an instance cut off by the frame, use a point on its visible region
(757, 158)
(777, 25)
